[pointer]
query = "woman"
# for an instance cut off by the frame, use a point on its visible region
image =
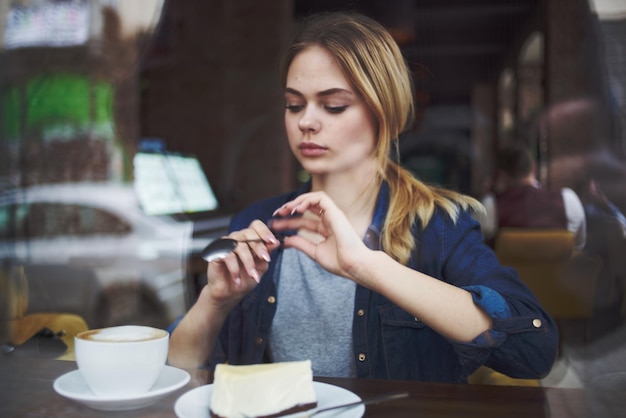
(384, 277)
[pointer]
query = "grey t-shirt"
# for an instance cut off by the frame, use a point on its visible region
(314, 317)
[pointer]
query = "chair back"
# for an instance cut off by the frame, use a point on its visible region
(18, 324)
(562, 279)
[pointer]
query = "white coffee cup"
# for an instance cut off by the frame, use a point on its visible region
(122, 361)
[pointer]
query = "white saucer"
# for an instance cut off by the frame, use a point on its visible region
(196, 402)
(73, 386)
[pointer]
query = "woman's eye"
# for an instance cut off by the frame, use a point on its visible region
(335, 109)
(294, 108)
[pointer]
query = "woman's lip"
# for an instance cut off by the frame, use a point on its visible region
(310, 149)
(310, 145)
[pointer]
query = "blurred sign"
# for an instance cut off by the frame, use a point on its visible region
(47, 23)
(170, 184)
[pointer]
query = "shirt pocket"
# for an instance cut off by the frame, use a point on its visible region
(392, 316)
(401, 332)
(413, 350)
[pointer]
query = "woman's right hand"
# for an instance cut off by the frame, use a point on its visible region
(228, 281)
(231, 278)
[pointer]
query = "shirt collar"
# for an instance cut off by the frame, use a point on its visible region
(372, 235)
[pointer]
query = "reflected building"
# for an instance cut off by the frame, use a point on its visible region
(68, 87)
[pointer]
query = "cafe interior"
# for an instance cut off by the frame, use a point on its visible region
(132, 131)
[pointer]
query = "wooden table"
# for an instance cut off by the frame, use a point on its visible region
(26, 391)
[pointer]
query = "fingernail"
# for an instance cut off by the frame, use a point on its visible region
(255, 275)
(278, 210)
(266, 257)
(238, 282)
(294, 210)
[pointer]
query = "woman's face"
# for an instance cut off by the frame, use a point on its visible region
(329, 127)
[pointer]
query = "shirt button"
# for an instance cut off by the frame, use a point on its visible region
(258, 340)
(360, 312)
(271, 299)
(361, 357)
(537, 323)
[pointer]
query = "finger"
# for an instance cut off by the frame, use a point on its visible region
(306, 205)
(268, 241)
(231, 266)
(259, 250)
(317, 208)
(246, 261)
(261, 229)
(300, 204)
(299, 223)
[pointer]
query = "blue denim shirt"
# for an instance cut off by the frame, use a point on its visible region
(390, 343)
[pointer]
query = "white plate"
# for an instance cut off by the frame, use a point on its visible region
(196, 402)
(73, 386)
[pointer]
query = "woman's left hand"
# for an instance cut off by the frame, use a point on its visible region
(324, 233)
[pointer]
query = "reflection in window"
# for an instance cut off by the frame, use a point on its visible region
(52, 220)
(506, 99)
(530, 74)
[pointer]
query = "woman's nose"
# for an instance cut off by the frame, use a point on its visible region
(309, 121)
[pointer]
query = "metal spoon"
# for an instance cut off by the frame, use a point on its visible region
(221, 247)
(377, 399)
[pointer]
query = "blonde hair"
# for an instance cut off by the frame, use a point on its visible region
(371, 60)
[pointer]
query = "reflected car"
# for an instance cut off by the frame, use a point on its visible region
(89, 249)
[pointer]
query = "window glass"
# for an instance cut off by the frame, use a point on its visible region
(50, 220)
(96, 221)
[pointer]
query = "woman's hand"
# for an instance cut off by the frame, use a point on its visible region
(231, 278)
(228, 280)
(324, 233)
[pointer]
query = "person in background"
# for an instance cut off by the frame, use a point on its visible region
(378, 275)
(606, 239)
(598, 206)
(519, 201)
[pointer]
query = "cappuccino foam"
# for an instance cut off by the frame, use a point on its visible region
(125, 333)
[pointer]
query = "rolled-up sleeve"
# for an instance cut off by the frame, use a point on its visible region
(523, 339)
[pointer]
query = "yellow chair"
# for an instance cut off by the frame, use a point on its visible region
(547, 263)
(17, 327)
(562, 278)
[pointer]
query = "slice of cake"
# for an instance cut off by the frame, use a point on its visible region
(262, 390)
